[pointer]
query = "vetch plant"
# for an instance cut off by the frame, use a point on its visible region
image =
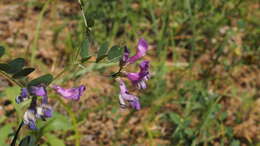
(36, 90)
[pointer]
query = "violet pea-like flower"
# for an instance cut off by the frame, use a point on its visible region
(125, 97)
(125, 57)
(40, 90)
(24, 95)
(34, 91)
(44, 111)
(29, 119)
(71, 93)
(139, 79)
(141, 49)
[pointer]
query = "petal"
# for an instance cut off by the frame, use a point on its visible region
(128, 97)
(24, 95)
(142, 45)
(134, 77)
(44, 111)
(71, 93)
(38, 90)
(141, 84)
(136, 104)
(144, 66)
(125, 57)
(140, 51)
(32, 125)
(29, 119)
(122, 86)
(122, 102)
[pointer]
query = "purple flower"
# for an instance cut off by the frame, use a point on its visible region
(29, 119)
(44, 111)
(24, 95)
(142, 47)
(40, 90)
(125, 57)
(125, 98)
(72, 93)
(138, 79)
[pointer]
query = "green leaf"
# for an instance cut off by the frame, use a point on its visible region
(102, 52)
(28, 141)
(84, 51)
(115, 53)
(5, 131)
(235, 143)
(15, 65)
(23, 73)
(175, 118)
(90, 22)
(45, 79)
(189, 132)
(2, 51)
(58, 122)
(54, 141)
(4, 67)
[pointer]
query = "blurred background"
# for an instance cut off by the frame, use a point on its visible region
(205, 59)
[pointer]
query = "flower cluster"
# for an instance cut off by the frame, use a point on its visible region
(43, 110)
(138, 79)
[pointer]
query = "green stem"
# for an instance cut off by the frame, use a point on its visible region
(6, 76)
(16, 134)
(61, 73)
(37, 32)
(82, 13)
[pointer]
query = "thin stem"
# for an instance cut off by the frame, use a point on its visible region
(82, 13)
(37, 32)
(58, 75)
(6, 76)
(16, 134)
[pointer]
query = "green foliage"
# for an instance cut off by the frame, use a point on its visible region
(57, 123)
(115, 53)
(179, 32)
(23, 73)
(54, 140)
(84, 51)
(102, 52)
(13, 66)
(45, 79)
(175, 118)
(10, 94)
(2, 51)
(28, 141)
(5, 131)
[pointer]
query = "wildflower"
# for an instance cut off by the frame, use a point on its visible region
(72, 93)
(138, 79)
(141, 49)
(40, 90)
(29, 119)
(125, 57)
(24, 95)
(125, 97)
(44, 111)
